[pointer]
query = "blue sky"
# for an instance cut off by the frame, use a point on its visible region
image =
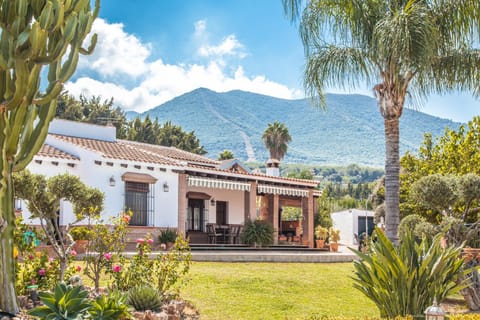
(151, 51)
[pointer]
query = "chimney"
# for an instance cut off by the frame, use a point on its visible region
(273, 167)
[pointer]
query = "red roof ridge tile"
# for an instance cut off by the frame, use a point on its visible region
(259, 175)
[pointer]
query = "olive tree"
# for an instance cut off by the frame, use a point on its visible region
(43, 198)
(37, 38)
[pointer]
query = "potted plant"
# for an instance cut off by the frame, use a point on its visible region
(333, 236)
(81, 235)
(167, 237)
(321, 234)
(258, 233)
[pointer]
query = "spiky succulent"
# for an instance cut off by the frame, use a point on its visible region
(144, 298)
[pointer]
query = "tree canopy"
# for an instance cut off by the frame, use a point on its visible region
(276, 138)
(96, 111)
(226, 155)
(405, 50)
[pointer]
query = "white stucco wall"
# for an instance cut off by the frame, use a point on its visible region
(98, 176)
(235, 203)
(347, 222)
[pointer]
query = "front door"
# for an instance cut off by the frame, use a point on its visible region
(222, 218)
(196, 215)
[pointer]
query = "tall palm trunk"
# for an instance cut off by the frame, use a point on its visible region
(392, 178)
(8, 299)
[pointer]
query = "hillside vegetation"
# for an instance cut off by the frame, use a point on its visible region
(349, 131)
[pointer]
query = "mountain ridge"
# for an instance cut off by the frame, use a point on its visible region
(350, 130)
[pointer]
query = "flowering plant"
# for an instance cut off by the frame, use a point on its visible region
(138, 269)
(108, 244)
(166, 273)
(40, 270)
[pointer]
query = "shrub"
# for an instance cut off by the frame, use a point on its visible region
(170, 269)
(167, 272)
(333, 235)
(108, 244)
(40, 270)
(404, 280)
(409, 223)
(110, 306)
(144, 298)
(67, 302)
(258, 232)
(81, 233)
(167, 235)
(321, 233)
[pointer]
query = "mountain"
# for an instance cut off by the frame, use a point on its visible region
(350, 130)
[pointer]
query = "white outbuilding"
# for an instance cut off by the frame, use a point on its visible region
(352, 223)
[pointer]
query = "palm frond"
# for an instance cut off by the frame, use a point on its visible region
(335, 66)
(458, 69)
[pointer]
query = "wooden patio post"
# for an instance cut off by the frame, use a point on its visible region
(307, 224)
(310, 219)
(276, 209)
(251, 210)
(182, 203)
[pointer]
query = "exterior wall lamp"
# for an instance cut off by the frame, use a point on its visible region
(213, 202)
(434, 312)
(111, 181)
(166, 187)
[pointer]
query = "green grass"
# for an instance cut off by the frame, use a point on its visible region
(275, 291)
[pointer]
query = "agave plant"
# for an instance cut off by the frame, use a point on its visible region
(144, 298)
(404, 280)
(110, 306)
(65, 303)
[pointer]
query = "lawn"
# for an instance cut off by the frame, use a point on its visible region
(275, 291)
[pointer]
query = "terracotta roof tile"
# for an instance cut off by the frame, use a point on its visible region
(117, 150)
(258, 176)
(172, 153)
(52, 152)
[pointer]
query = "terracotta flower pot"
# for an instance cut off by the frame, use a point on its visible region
(80, 246)
(334, 247)
(320, 243)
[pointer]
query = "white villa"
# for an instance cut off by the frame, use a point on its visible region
(168, 187)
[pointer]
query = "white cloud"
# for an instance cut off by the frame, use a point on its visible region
(156, 82)
(229, 46)
(200, 28)
(116, 53)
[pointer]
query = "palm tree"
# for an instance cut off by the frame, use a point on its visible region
(404, 49)
(276, 139)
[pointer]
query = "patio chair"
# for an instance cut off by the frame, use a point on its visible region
(212, 233)
(234, 234)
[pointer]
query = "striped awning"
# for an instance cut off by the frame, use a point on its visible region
(218, 184)
(268, 189)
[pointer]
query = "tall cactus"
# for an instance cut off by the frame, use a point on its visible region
(36, 36)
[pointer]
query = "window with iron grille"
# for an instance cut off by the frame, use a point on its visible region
(139, 199)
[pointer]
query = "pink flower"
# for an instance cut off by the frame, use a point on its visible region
(50, 260)
(32, 281)
(140, 240)
(150, 241)
(31, 257)
(73, 253)
(107, 256)
(42, 272)
(126, 219)
(117, 268)
(79, 268)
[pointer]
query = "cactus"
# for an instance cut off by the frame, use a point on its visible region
(144, 298)
(35, 35)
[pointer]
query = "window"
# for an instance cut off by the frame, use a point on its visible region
(222, 217)
(139, 199)
(197, 215)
